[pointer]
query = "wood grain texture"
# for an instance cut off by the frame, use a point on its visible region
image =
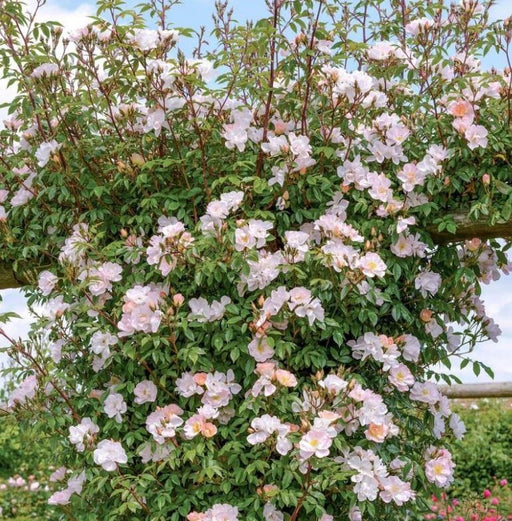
(468, 229)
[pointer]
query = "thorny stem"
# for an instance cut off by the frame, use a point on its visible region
(134, 494)
(305, 492)
(309, 67)
(271, 80)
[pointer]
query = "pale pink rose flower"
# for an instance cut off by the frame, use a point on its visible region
(109, 454)
(145, 392)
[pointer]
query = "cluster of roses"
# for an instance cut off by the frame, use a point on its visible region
(376, 170)
(141, 312)
(487, 507)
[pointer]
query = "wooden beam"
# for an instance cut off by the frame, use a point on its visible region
(468, 229)
(483, 390)
(8, 278)
(19, 274)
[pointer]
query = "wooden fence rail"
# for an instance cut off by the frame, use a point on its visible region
(483, 390)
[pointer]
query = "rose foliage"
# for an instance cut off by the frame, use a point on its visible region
(240, 291)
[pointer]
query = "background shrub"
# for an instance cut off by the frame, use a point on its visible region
(486, 450)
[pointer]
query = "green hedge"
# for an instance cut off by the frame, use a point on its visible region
(486, 450)
(20, 455)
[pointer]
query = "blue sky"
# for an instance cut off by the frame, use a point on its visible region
(193, 13)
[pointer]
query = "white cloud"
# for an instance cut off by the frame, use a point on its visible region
(70, 18)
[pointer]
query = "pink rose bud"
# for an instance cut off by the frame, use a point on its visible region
(178, 300)
(195, 516)
(487, 493)
(503, 482)
(200, 378)
(473, 244)
(495, 501)
(270, 489)
(426, 315)
(486, 179)
(208, 430)
(137, 159)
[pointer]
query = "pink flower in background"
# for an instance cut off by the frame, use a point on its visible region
(82, 434)
(47, 281)
(270, 513)
(101, 278)
(410, 347)
(372, 265)
(260, 349)
(196, 516)
(61, 497)
(163, 422)
(461, 109)
(202, 312)
(115, 406)
(187, 385)
(396, 490)
(221, 512)
(145, 392)
(109, 454)
(285, 378)
(428, 283)
(457, 426)
(401, 377)
(45, 151)
(316, 442)
(426, 392)
(25, 391)
(100, 343)
(141, 309)
(264, 427)
(476, 136)
(198, 424)
(333, 384)
(46, 69)
(439, 469)
(58, 475)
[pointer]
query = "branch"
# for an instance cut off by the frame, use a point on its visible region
(468, 229)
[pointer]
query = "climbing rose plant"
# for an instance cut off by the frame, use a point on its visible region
(241, 290)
